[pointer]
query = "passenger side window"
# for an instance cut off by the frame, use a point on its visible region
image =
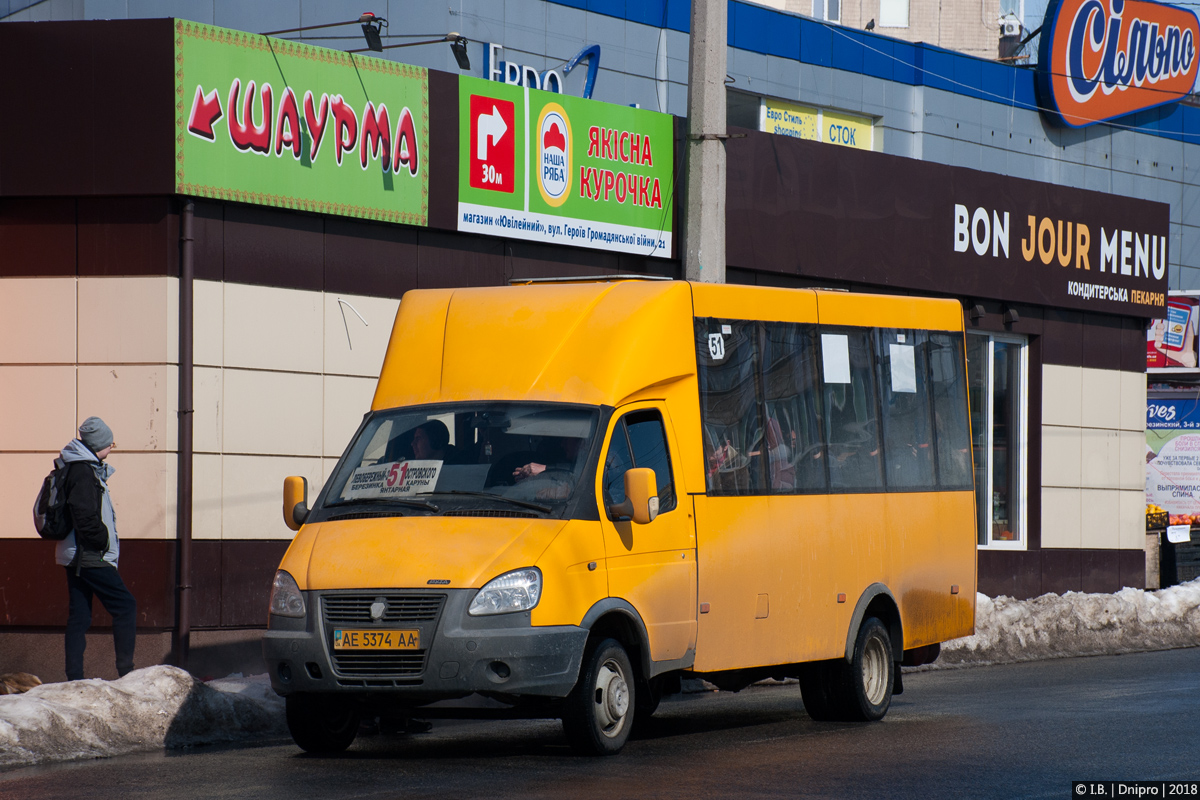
(794, 447)
(904, 393)
(639, 440)
(949, 384)
(727, 363)
(851, 415)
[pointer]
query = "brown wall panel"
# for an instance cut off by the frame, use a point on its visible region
(1099, 570)
(204, 605)
(1102, 341)
(1063, 343)
(37, 236)
(1061, 570)
(452, 260)
(1132, 568)
(127, 236)
(270, 247)
(247, 571)
(1133, 345)
(443, 150)
(115, 80)
(208, 231)
(370, 259)
(1015, 573)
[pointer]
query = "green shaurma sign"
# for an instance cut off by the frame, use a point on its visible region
(280, 123)
(553, 168)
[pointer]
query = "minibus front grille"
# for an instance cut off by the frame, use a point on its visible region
(355, 609)
(409, 664)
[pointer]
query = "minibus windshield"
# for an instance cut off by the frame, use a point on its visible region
(461, 457)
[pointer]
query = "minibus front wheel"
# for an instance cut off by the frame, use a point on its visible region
(598, 713)
(321, 724)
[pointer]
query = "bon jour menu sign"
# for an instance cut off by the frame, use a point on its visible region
(280, 123)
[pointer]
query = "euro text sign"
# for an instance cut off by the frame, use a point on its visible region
(1103, 59)
(279, 123)
(552, 168)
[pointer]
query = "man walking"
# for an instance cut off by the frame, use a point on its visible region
(91, 550)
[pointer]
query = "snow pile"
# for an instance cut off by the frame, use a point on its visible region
(146, 710)
(1077, 624)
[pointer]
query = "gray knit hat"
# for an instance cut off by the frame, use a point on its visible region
(95, 434)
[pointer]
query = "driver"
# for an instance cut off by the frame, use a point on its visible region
(430, 440)
(560, 455)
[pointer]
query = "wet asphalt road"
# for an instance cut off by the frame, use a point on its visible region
(1023, 730)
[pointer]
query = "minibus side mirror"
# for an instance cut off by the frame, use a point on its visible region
(295, 501)
(641, 502)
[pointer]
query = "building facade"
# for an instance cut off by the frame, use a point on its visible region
(293, 305)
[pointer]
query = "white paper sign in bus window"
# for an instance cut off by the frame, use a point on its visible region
(904, 367)
(835, 356)
(396, 479)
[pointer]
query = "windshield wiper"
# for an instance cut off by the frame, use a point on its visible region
(490, 496)
(425, 505)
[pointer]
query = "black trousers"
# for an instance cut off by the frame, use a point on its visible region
(105, 583)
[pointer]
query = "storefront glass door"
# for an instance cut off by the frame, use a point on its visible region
(996, 371)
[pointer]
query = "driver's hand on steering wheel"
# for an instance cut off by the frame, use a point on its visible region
(528, 471)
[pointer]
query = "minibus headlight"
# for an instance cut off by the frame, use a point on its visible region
(286, 599)
(519, 590)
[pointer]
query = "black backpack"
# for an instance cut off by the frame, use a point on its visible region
(50, 509)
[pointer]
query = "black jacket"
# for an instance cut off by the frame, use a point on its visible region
(84, 497)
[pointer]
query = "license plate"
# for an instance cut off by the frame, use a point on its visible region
(376, 640)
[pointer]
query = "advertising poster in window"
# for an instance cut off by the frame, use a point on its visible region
(553, 168)
(1173, 455)
(1171, 342)
(280, 123)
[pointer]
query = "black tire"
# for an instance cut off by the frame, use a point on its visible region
(860, 691)
(819, 685)
(868, 692)
(598, 713)
(322, 724)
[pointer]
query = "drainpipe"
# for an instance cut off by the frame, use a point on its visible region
(183, 518)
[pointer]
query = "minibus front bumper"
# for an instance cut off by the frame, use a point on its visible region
(456, 654)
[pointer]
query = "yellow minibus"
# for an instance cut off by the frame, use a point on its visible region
(569, 495)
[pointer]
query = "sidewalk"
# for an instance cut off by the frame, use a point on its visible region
(164, 706)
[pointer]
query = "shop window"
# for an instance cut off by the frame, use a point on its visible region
(893, 13)
(996, 371)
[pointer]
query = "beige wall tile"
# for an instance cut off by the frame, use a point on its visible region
(1133, 460)
(1101, 459)
(1101, 519)
(144, 494)
(140, 402)
(1061, 454)
(21, 476)
(346, 400)
(1133, 401)
(37, 321)
(351, 347)
(1062, 393)
(1132, 535)
(207, 486)
(267, 328)
(1061, 526)
(1101, 398)
(272, 413)
(253, 494)
(208, 401)
(128, 320)
(37, 405)
(208, 323)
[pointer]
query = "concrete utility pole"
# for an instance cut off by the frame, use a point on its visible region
(704, 239)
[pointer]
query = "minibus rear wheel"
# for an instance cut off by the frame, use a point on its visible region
(869, 690)
(321, 724)
(598, 713)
